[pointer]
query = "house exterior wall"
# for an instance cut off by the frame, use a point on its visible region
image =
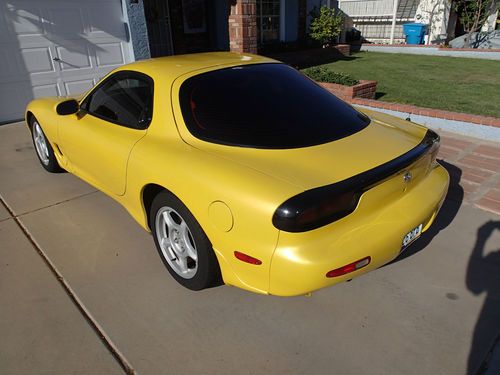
(291, 20)
(137, 29)
(357, 8)
(231, 24)
(434, 13)
(491, 22)
(221, 9)
(243, 26)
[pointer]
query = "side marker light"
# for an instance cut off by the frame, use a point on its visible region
(349, 267)
(247, 258)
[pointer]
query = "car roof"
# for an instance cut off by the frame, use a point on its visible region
(171, 67)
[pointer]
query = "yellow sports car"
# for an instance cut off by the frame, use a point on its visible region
(245, 171)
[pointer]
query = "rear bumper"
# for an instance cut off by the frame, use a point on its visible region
(301, 260)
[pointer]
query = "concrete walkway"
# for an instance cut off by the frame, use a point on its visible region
(476, 164)
(435, 310)
(434, 51)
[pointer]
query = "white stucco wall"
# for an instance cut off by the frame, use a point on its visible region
(137, 28)
(491, 22)
(435, 14)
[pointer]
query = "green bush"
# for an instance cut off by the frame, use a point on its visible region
(326, 25)
(322, 74)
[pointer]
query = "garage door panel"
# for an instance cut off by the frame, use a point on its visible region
(78, 87)
(24, 19)
(73, 58)
(17, 93)
(5, 33)
(109, 54)
(66, 21)
(46, 90)
(100, 24)
(37, 60)
(7, 64)
(88, 36)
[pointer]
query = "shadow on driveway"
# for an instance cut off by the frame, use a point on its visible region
(483, 275)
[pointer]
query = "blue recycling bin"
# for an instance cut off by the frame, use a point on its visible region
(414, 32)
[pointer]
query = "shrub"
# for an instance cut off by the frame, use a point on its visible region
(323, 74)
(325, 25)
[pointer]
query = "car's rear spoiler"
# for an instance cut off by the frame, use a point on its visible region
(306, 211)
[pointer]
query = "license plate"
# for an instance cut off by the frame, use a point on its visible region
(412, 236)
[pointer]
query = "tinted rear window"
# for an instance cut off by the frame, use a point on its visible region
(265, 106)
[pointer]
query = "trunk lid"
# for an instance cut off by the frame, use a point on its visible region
(383, 140)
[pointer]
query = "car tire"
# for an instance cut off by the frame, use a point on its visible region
(182, 244)
(43, 149)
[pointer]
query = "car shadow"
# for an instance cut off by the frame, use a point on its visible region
(483, 276)
(449, 210)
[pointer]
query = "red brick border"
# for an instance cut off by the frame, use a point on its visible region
(364, 89)
(448, 115)
(344, 49)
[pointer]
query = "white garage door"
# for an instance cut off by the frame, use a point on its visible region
(56, 47)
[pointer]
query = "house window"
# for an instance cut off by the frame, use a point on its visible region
(268, 21)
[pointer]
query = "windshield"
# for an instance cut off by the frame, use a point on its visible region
(265, 106)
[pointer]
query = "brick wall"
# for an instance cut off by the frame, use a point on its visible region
(344, 49)
(364, 89)
(243, 26)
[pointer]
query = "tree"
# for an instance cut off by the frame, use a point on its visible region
(326, 25)
(472, 14)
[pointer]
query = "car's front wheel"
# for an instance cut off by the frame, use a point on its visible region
(43, 148)
(182, 244)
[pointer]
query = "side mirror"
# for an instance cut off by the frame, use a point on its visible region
(68, 107)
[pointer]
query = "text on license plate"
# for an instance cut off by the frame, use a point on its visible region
(412, 235)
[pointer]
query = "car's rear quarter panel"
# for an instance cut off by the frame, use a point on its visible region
(198, 178)
(384, 215)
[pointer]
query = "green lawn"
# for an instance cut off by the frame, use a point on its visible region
(449, 83)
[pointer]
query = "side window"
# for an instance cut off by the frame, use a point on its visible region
(124, 99)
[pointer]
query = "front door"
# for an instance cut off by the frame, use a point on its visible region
(98, 140)
(159, 31)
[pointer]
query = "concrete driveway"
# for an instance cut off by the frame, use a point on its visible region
(74, 267)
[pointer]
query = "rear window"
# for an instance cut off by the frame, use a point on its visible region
(265, 106)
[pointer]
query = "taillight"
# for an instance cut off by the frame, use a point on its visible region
(314, 209)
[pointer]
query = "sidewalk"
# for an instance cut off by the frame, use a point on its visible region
(42, 331)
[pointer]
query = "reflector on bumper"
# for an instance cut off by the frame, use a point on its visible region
(349, 267)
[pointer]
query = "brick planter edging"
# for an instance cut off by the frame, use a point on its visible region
(448, 115)
(364, 89)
